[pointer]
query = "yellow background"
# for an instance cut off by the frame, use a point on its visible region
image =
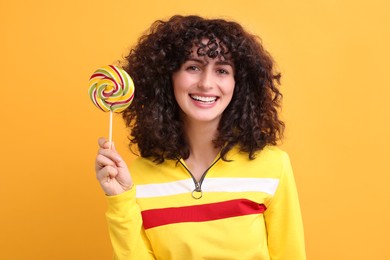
(334, 57)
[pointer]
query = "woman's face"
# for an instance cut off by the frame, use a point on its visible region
(203, 87)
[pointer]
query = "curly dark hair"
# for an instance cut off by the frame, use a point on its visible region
(251, 119)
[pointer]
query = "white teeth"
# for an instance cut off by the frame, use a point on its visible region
(204, 99)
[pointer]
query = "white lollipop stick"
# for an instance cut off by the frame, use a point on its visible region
(110, 130)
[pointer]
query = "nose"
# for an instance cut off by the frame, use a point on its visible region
(206, 80)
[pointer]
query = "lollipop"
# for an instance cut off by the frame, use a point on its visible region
(111, 89)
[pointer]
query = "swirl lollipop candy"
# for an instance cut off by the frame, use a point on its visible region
(111, 89)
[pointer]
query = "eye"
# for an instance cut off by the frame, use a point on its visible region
(223, 71)
(192, 68)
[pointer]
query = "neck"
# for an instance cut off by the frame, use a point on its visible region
(202, 150)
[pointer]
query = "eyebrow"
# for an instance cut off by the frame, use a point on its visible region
(218, 62)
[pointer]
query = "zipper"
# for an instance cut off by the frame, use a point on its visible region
(197, 193)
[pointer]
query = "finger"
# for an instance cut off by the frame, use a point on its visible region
(103, 161)
(114, 156)
(103, 143)
(120, 163)
(106, 174)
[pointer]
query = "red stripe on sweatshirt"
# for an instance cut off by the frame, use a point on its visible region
(199, 213)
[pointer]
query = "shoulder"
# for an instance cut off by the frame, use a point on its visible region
(273, 152)
(269, 154)
(270, 162)
(141, 162)
(145, 170)
(274, 155)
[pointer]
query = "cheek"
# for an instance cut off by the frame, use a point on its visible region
(230, 92)
(230, 88)
(179, 92)
(179, 82)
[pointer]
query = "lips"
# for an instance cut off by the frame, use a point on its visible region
(203, 99)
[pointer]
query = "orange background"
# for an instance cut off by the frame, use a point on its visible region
(334, 57)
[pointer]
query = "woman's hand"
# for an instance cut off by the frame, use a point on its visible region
(111, 170)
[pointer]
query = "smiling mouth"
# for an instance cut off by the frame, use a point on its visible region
(203, 99)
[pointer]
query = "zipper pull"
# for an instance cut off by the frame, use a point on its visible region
(197, 193)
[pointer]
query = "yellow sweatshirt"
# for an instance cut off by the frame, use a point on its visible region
(241, 209)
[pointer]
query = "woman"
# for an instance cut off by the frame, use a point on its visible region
(210, 182)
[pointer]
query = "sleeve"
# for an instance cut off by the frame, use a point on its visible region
(127, 235)
(283, 219)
